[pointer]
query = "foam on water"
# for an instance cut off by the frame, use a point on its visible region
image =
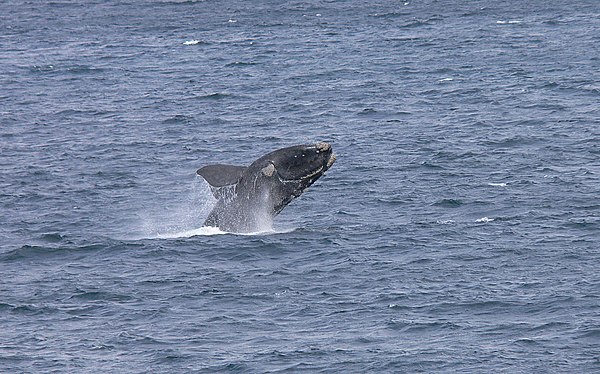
(202, 231)
(209, 231)
(508, 22)
(191, 42)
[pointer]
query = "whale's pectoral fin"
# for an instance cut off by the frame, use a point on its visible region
(219, 176)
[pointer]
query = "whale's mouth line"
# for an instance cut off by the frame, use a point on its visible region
(318, 171)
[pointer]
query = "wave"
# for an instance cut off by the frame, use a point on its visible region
(29, 252)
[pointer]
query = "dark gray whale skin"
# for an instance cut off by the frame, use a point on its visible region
(247, 197)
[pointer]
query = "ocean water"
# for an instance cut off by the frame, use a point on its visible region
(458, 230)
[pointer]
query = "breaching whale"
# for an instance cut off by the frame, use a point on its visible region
(247, 197)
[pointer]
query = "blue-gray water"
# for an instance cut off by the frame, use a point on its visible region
(457, 232)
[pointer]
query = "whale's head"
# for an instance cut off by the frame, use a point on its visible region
(287, 172)
(302, 163)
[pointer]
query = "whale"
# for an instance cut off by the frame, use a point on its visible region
(249, 197)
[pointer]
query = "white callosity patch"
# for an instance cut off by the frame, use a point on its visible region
(331, 160)
(268, 170)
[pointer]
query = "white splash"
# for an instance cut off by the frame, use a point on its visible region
(497, 184)
(484, 220)
(182, 217)
(191, 42)
(178, 216)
